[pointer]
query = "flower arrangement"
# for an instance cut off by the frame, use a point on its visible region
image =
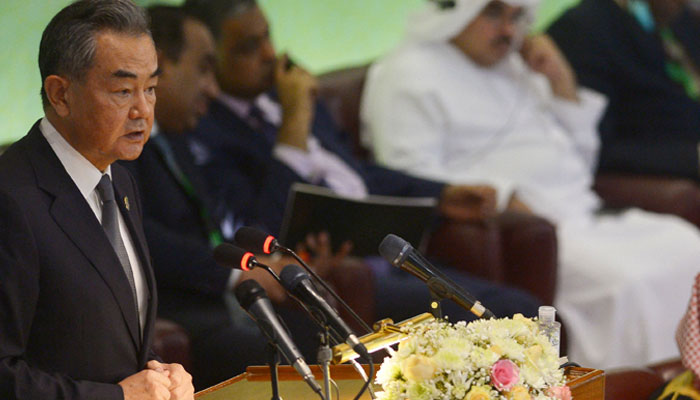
(504, 359)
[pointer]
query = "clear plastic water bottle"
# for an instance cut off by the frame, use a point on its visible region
(550, 327)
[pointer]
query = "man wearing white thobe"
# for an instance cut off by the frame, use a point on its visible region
(457, 102)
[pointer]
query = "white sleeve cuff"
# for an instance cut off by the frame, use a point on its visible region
(298, 160)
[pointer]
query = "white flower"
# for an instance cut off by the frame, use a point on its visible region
(421, 391)
(483, 358)
(390, 371)
(418, 368)
(453, 354)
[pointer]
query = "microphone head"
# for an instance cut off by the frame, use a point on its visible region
(248, 292)
(291, 275)
(394, 249)
(228, 255)
(256, 240)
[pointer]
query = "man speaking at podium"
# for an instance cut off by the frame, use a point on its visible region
(77, 293)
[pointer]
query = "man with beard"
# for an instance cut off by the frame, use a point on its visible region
(472, 100)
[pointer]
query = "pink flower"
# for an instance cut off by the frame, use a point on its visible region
(504, 375)
(560, 392)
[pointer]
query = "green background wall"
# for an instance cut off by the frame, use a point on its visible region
(319, 34)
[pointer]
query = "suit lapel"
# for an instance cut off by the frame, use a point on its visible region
(77, 220)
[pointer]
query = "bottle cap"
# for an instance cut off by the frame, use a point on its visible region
(547, 313)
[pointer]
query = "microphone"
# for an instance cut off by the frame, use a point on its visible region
(258, 241)
(401, 254)
(298, 282)
(254, 300)
(228, 255)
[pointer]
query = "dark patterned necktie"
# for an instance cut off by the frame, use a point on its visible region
(110, 223)
(256, 119)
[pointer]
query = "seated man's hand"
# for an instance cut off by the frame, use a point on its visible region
(148, 384)
(296, 89)
(180, 381)
(319, 253)
(274, 290)
(316, 251)
(542, 55)
(465, 202)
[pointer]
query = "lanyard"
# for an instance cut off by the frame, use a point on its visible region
(166, 153)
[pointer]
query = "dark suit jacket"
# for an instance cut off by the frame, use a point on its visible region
(68, 323)
(243, 174)
(176, 233)
(651, 125)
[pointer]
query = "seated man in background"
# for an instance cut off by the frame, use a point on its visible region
(254, 145)
(457, 101)
(180, 219)
(645, 57)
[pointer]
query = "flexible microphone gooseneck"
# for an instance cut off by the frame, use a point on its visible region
(402, 255)
(255, 301)
(256, 240)
(298, 282)
(230, 256)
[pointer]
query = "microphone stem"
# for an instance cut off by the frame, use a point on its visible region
(271, 271)
(328, 289)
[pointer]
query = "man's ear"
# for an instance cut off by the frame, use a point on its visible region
(56, 89)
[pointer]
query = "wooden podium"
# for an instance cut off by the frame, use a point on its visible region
(254, 384)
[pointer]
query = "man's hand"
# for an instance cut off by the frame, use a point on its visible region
(148, 384)
(464, 202)
(296, 89)
(542, 55)
(180, 381)
(320, 254)
(274, 290)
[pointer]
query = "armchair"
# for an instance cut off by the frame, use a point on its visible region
(640, 383)
(667, 195)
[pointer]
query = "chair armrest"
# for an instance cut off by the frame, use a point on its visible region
(668, 369)
(631, 383)
(660, 194)
(512, 248)
(473, 247)
(529, 245)
(172, 343)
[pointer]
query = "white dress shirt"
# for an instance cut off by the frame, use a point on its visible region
(86, 177)
(316, 164)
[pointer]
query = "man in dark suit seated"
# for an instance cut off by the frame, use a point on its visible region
(266, 131)
(77, 291)
(181, 221)
(645, 57)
